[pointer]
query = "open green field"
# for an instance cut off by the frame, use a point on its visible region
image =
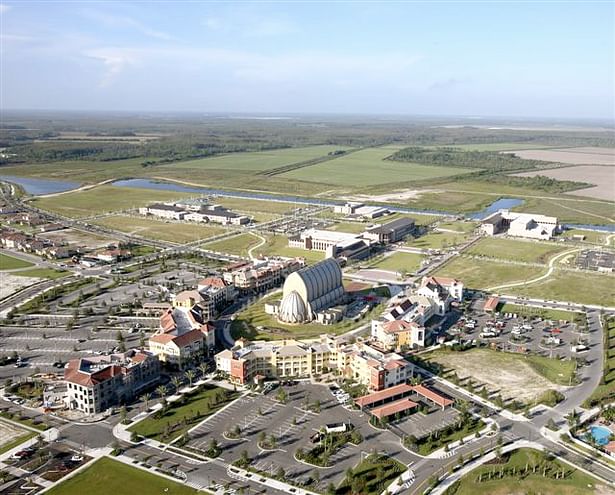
(438, 240)
(277, 245)
(479, 274)
(371, 476)
(261, 160)
(569, 210)
(500, 146)
(368, 167)
(11, 263)
(349, 227)
(159, 229)
(104, 199)
(238, 245)
(253, 323)
(419, 220)
(512, 250)
(581, 288)
(180, 416)
(591, 236)
(575, 482)
(107, 476)
(451, 201)
(458, 226)
(545, 313)
(399, 262)
(49, 273)
(251, 206)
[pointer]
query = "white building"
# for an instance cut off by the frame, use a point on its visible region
(528, 225)
(442, 291)
(334, 244)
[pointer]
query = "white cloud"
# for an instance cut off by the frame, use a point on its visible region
(4, 8)
(114, 61)
(125, 22)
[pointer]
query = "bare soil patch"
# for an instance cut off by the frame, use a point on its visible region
(393, 197)
(77, 237)
(601, 175)
(515, 379)
(12, 283)
(573, 156)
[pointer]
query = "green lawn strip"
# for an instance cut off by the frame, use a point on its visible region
(507, 477)
(11, 263)
(49, 273)
(24, 421)
(544, 313)
(419, 220)
(159, 229)
(591, 236)
(481, 274)
(255, 206)
(183, 414)
(253, 323)
(557, 371)
(104, 199)
(447, 435)
(277, 245)
(605, 391)
(371, 476)
(580, 288)
(462, 227)
(106, 476)
(512, 250)
(17, 441)
(238, 245)
(438, 240)
(349, 227)
(399, 262)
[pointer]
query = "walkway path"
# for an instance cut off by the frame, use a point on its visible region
(256, 246)
(538, 279)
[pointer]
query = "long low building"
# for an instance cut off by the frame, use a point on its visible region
(390, 232)
(399, 398)
(528, 225)
(333, 244)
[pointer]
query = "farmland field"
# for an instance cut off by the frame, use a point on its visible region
(478, 274)
(157, 229)
(104, 199)
(602, 176)
(573, 156)
(260, 160)
(507, 249)
(368, 167)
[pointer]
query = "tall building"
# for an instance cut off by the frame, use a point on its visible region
(96, 383)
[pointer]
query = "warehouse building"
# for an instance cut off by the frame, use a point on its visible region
(390, 232)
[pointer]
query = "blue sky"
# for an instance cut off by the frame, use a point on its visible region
(545, 59)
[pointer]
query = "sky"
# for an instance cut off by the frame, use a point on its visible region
(521, 59)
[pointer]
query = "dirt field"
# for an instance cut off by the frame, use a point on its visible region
(601, 175)
(12, 283)
(573, 156)
(514, 378)
(76, 237)
(8, 433)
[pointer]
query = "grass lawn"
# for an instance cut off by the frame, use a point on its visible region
(508, 249)
(253, 323)
(159, 229)
(605, 391)
(5, 447)
(438, 240)
(463, 227)
(568, 211)
(555, 370)
(104, 199)
(260, 160)
(237, 245)
(574, 483)
(11, 263)
(418, 219)
(449, 435)
(399, 262)
(581, 288)
(252, 206)
(277, 245)
(368, 166)
(349, 227)
(180, 417)
(479, 274)
(545, 313)
(371, 476)
(107, 475)
(591, 236)
(49, 273)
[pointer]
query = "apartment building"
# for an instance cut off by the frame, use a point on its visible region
(261, 275)
(96, 383)
(443, 291)
(161, 210)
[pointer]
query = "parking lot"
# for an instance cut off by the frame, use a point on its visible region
(515, 333)
(292, 426)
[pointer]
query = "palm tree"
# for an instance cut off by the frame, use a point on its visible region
(146, 397)
(176, 381)
(190, 374)
(161, 390)
(203, 369)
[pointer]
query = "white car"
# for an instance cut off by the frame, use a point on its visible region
(76, 458)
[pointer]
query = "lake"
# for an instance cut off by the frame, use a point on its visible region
(36, 187)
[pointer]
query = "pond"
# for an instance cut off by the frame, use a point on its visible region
(500, 204)
(37, 187)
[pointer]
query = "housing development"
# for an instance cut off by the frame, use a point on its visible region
(305, 248)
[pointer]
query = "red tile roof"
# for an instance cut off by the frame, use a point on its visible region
(432, 396)
(492, 303)
(397, 326)
(213, 282)
(388, 393)
(392, 408)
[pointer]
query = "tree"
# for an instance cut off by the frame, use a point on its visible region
(146, 397)
(176, 381)
(331, 490)
(237, 431)
(161, 390)
(244, 459)
(190, 375)
(282, 396)
(203, 369)
(123, 414)
(261, 437)
(280, 473)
